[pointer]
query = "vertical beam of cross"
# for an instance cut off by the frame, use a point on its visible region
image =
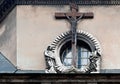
(73, 18)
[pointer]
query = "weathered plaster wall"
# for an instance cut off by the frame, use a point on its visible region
(106, 28)
(37, 28)
(8, 37)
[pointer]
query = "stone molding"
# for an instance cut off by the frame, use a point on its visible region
(66, 2)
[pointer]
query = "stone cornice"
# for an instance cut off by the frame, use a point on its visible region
(66, 2)
(62, 78)
(7, 5)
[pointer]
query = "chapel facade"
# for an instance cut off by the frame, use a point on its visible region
(59, 36)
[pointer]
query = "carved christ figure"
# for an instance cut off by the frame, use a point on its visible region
(73, 17)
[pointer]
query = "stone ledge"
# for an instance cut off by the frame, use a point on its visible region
(61, 78)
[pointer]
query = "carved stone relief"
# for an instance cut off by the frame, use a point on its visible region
(53, 61)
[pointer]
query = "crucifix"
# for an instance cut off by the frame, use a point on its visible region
(73, 17)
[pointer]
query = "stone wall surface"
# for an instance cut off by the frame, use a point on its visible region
(106, 28)
(37, 28)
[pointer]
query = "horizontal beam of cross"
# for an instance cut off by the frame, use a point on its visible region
(63, 15)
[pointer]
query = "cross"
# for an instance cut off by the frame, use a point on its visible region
(73, 18)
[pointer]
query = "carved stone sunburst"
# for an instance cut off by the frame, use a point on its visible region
(54, 64)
